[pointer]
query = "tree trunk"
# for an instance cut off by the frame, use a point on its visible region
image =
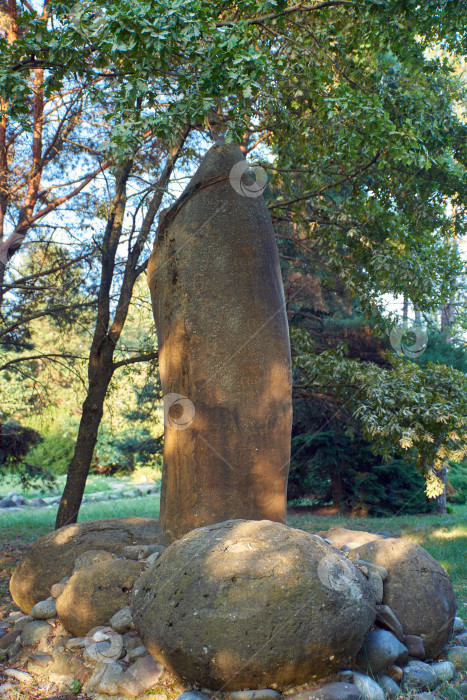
(100, 367)
(441, 500)
(337, 492)
(93, 408)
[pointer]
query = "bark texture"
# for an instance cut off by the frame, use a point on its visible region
(224, 354)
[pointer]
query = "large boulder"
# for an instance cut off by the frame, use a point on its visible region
(52, 557)
(244, 604)
(352, 538)
(417, 589)
(92, 596)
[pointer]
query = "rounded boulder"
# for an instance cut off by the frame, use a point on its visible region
(340, 536)
(418, 590)
(244, 604)
(52, 557)
(92, 596)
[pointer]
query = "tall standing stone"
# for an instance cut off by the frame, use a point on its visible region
(224, 352)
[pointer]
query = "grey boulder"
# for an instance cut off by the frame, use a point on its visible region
(381, 649)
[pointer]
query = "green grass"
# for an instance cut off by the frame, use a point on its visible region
(30, 524)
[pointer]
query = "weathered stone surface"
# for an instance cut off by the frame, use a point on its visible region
(369, 689)
(34, 631)
(52, 556)
(331, 691)
(91, 557)
(462, 689)
(44, 609)
(140, 677)
(417, 589)
(352, 538)
(458, 656)
(226, 382)
(222, 592)
(415, 646)
(426, 696)
(444, 670)
(419, 675)
(462, 639)
(92, 596)
(389, 686)
(380, 650)
(385, 618)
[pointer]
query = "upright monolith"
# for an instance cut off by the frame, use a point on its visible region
(224, 352)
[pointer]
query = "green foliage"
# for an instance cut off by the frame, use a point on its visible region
(56, 449)
(15, 443)
(76, 686)
(330, 468)
(456, 489)
(397, 409)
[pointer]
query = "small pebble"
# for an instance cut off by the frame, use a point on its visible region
(137, 653)
(458, 625)
(57, 589)
(369, 689)
(20, 676)
(458, 656)
(40, 658)
(389, 686)
(444, 670)
(44, 609)
(34, 631)
(76, 643)
(152, 558)
(461, 639)
(261, 694)
(122, 621)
